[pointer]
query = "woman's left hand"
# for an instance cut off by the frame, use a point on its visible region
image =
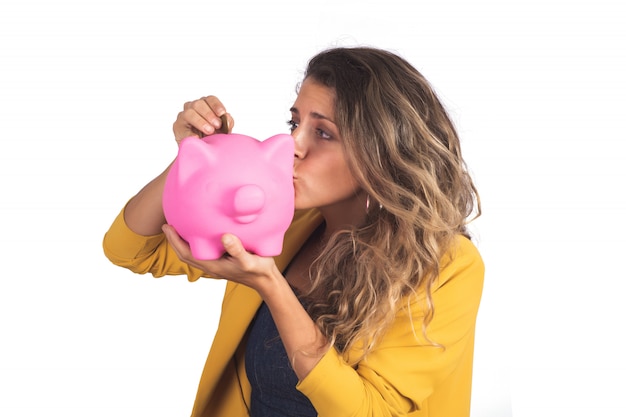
(237, 265)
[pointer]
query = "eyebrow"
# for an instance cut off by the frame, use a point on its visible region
(313, 114)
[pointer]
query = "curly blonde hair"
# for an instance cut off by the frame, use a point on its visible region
(404, 150)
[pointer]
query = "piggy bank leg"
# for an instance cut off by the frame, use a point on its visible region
(272, 247)
(205, 249)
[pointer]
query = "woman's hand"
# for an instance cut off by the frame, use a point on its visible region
(202, 117)
(238, 265)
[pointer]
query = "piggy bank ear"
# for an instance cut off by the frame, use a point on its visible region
(194, 155)
(279, 148)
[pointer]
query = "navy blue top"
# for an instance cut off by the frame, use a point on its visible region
(269, 371)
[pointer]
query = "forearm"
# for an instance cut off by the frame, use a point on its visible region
(302, 339)
(144, 212)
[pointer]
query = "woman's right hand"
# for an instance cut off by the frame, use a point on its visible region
(202, 117)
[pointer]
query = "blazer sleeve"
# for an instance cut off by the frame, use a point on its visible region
(405, 368)
(154, 255)
(143, 254)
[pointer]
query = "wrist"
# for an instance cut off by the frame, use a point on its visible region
(274, 287)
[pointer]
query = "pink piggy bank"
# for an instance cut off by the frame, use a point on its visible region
(231, 183)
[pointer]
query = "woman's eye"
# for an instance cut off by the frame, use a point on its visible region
(323, 134)
(292, 125)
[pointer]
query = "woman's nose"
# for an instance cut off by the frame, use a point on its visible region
(299, 143)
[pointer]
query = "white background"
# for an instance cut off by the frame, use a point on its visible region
(88, 94)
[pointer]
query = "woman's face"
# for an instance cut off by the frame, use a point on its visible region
(321, 176)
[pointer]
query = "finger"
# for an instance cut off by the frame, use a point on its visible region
(212, 102)
(200, 118)
(182, 249)
(233, 246)
(215, 104)
(211, 110)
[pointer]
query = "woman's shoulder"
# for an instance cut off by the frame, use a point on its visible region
(464, 246)
(463, 259)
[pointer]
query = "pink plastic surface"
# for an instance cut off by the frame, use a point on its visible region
(231, 183)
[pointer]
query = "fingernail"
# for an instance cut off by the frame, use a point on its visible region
(208, 128)
(217, 123)
(227, 240)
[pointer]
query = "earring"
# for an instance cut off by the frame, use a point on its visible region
(367, 204)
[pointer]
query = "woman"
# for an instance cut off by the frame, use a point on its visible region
(371, 307)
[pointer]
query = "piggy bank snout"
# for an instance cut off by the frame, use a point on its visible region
(248, 202)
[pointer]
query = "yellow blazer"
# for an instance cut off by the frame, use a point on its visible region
(403, 376)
